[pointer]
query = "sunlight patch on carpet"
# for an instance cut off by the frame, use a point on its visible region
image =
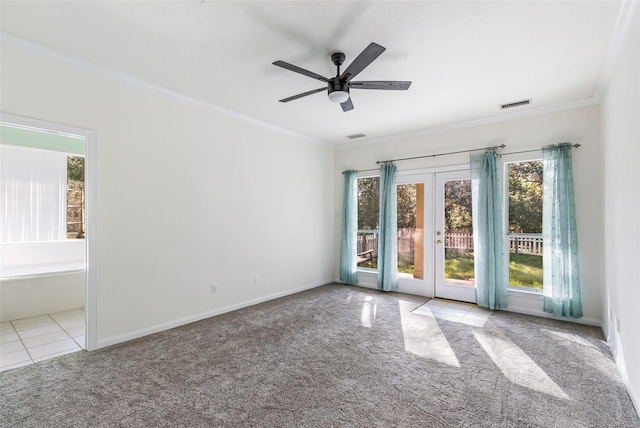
(516, 365)
(423, 337)
(369, 310)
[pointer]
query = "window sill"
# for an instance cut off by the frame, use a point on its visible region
(527, 294)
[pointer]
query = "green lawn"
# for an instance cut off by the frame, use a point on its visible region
(405, 263)
(458, 265)
(524, 270)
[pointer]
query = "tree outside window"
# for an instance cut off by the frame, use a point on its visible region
(75, 197)
(525, 224)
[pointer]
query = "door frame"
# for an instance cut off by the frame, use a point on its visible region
(90, 139)
(443, 290)
(426, 286)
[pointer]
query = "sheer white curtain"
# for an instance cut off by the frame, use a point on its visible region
(33, 189)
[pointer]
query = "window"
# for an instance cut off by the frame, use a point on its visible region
(75, 197)
(368, 209)
(43, 195)
(524, 233)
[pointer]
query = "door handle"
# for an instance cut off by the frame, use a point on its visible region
(438, 242)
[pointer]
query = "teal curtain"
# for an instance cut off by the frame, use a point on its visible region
(388, 227)
(349, 245)
(561, 281)
(488, 233)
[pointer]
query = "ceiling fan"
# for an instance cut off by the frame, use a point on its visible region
(338, 87)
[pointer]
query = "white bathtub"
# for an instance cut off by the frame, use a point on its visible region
(41, 278)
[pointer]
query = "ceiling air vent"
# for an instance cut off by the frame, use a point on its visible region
(354, 136)
(516, 104)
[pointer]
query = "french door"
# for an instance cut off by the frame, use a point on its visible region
(453, 243)
(435, 245)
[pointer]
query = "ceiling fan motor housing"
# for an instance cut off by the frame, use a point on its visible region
(336, 85)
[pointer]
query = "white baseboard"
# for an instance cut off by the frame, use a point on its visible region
(621, 363)
(542, 314)
(622, 368)
(113, 340)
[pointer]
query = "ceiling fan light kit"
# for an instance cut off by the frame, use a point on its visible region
(338, 87)
(338, 93)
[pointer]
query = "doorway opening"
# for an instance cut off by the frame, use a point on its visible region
(48, 226)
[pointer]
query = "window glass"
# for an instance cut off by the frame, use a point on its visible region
(368, 206)
(410, 215)
(525, 224)
(458, 233)
(75, 197)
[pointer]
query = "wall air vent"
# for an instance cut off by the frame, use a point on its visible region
(354, 136)
(516, 104)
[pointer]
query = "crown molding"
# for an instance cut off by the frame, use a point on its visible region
(620, 31)
(571, 105)
(9, 40)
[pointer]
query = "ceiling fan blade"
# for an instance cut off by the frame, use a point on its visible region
(347, 105)
(297, 69)
(304, 94)
(394, 85)
(366, 57)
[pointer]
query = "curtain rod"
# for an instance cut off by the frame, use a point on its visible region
(502, 146)
(533, 150)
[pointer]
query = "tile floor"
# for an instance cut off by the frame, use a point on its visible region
(465, 313)
(30, 340)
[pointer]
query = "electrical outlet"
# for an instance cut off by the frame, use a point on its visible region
(214, 288)
(257, 279)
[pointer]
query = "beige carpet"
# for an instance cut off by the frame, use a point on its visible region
(333, 356)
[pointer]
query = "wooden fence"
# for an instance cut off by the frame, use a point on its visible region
(519, 243)
(458, 241)
(367, 240)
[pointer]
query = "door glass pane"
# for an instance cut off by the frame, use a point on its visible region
(458, 233)
(410, 199)
(525, 224)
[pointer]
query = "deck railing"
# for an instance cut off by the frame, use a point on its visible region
(525, 243)
(519, 243)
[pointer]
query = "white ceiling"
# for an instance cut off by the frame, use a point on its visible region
(464, 58)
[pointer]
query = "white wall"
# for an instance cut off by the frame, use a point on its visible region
(186, 196)
(577, 126)
(621, 143)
